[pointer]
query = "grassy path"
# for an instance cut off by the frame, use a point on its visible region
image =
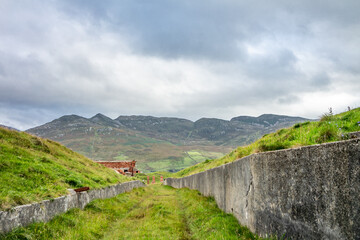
(153, 212)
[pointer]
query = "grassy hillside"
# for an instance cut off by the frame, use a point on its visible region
(154, 212)
(330, 128)
(34, 169)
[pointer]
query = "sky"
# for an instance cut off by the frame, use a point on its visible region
(188, 59)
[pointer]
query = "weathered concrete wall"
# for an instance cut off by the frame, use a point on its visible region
(23, 215)
(305, 193)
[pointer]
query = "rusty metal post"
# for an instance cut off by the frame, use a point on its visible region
(161, 179)
(148, 180)
(153, 181)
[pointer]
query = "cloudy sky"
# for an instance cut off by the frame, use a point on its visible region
(190, 59)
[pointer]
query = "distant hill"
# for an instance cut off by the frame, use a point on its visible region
(7, 127)
(218, 131)
(159, 143)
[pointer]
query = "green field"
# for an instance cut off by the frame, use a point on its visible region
(189, 158)
(34, 169)
(121, 157)
(151, 154)
(330, 128)
(153, 212)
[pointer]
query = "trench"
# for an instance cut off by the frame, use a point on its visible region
(151, 212)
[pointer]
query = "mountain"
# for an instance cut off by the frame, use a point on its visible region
(267, 119)
(10, 128)
(171, 129)
(105, 121)
(159, 143)
(218, 131)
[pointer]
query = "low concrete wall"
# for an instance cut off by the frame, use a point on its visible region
(310, 192)
(23, 215)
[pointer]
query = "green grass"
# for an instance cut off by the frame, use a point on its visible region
(34, 169)
(330, 128)
(176, 163)
(121, 157)
(157, 175)
(200, 156)
(154, 212)
(167, 164)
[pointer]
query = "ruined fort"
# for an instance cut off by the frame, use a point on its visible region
(125, 168)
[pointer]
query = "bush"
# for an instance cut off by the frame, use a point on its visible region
(327, 117)
(264, 147)
(73, 182)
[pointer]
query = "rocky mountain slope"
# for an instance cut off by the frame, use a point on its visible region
(158, 143)
(218, 131)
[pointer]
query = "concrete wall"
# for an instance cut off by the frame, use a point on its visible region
(44, 211)
(305, 193)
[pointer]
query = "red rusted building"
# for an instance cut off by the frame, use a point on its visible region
(125, 168)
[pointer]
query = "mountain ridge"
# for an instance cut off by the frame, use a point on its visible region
(8, 127)
(178, 130)
(174, 142)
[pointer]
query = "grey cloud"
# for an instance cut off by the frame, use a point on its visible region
(288, 99)
(211, 29)
(2, 70)
(320, 80)
(175, 29)
(276, 66)
(178, 58)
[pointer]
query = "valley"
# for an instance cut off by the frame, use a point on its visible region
(158, 144)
